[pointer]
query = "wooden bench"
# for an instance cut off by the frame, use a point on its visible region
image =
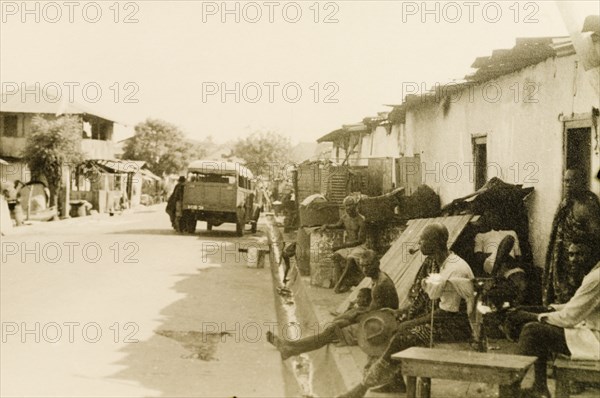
(426, 363)
(566, 370)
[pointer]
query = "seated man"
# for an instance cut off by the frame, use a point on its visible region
(451, 286)
(383, 295)
(345, 272)
(573, 329)
(488, 241)
(579, 256)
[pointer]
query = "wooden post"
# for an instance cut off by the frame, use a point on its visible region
(64, 206)
(424, 387)
(296, 196)
(508, 390)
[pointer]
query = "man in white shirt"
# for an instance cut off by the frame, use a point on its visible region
(573, 329)
(451, 285)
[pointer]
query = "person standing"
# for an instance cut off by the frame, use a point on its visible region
(577, 218)
(174, 205)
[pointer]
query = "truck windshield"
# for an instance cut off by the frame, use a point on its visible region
(215, 178)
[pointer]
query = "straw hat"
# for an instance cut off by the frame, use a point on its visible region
(376, 330)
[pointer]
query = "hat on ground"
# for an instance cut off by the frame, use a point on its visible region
(376, 330)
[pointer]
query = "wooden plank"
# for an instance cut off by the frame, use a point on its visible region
(460, 358)
(563, 386)
(411, 387)
(451, 371)
(499, 369)
(577, 370)
(562, 363)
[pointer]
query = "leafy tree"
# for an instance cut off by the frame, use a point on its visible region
(162, 146)
(52, 145)
(263, 151)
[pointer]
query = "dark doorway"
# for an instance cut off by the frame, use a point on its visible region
(578, 151)
(480, 160)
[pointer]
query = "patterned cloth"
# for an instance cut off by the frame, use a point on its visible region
(416, 331)
(575, 220)
(420, 303)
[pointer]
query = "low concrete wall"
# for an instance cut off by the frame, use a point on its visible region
(330, 370)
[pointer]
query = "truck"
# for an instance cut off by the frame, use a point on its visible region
(219, 192)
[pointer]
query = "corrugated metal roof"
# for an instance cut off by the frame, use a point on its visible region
(527, 51)
(333, 136)
(28, 102)
(147, 174)
(347, 129)
(402, 266)
(120, 166)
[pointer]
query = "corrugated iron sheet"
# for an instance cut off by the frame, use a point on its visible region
(31, 103)
(402, 266)
(120, 166)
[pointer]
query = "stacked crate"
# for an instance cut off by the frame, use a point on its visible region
(321, 262)
(309, 180)
(337, 183)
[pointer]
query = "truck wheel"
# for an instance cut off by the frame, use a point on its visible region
(209, 226)
(187, 223)
(191, 225)
(239, 227)
(179, 224)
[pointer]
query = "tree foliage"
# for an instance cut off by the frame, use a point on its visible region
(52, 145)
(263, 151)
(163, 146)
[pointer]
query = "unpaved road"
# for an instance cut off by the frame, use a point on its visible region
(116, 306)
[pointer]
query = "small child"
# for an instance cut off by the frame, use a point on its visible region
(357, 307)
(348, 322)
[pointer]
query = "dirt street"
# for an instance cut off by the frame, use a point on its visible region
(123, 306)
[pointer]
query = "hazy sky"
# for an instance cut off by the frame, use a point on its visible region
(174, 53)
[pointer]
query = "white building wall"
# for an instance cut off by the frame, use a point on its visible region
(524, 136)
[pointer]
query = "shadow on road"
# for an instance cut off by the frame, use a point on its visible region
(145, 231)
(177, 360)
(200, 234)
